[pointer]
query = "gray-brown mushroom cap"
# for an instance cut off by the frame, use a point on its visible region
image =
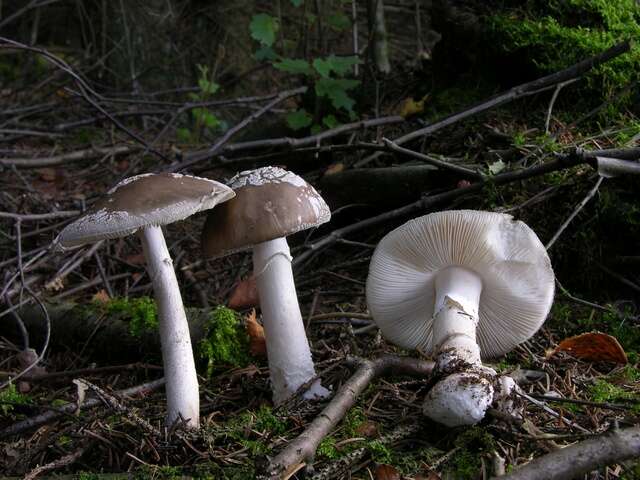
(270, 203)
(141, 201)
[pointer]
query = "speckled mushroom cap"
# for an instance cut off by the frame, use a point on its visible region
(517, 278)
(270, 203)
(143, 200)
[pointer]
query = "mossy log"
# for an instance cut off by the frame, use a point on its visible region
(99, 335)
(383, 187)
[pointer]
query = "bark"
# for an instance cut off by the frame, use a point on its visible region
(107, 338)
(305, 445)
(580, 458)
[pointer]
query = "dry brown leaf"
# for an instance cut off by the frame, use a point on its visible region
(245, 294)
(334, 168)
(47, 174)
(135, 259)
(367, 429)
(386, 472)
(257, 344)
(410, 107)
(593, 347)
(101, 296)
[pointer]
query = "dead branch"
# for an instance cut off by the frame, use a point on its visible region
(580, 458)
(310, 141)
(305, 445)
(520, 91)
(427, 202)
(69, 408)
(63, 158)
(213, 150)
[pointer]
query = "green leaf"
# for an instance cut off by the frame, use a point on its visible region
(210, 120)
(339, 21)
(183, 134)
(339, 65)
(297, 3)
(194, 96)
(335, 89)
(265, 53)
(316, 129)
(299, 119)
(263, 28)
(330, 121)
(294, 65)
(207, 86)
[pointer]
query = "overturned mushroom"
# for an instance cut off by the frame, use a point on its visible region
(460, 285)
(143, 204)
(271, 203)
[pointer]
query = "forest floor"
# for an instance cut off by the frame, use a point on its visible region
(385, 434)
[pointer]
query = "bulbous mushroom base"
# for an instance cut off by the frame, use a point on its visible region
(459, 399)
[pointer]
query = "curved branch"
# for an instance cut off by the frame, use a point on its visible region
(582, 457)
(305, 445)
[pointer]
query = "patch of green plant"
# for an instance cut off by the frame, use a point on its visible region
(252, 429)
(603, 391)
(352, 420)
(10, 397)
(213, 471)
(327, 449)
(225, 342)
(328, 75)
(379, 452)
(141, 313)
(160, 472)
(204, 120)
(555, 35)
(472, 445)
(88, 476)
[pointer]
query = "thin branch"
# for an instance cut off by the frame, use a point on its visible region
(69, 408)
(63, 158)
(575, 212)
(210, 152)
(304, 446)
(580, 458)
(523, 90)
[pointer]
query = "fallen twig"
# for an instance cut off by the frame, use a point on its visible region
(580, 458)
(305, 445)
(69, 408)
(523, 90)
(425, 203)
(63, 158)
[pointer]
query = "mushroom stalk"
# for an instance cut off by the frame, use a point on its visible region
(464, 394)
(177, 355)
(290, 363)
(456, 316)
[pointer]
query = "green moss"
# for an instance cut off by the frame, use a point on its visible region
(141, 313)
(9, 397)
(472, 445)
(213, 471)
(379, 451)
(225, 341)
(327, 449)
(555, 35)
(164, 472)
(603, 391)
(253, 429)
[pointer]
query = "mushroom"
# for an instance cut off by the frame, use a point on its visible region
(271, 203)
(462, 286)
(143, 204)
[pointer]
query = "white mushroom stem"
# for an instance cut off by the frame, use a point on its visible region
(290, 363)
(456, 315)
(462, 397)
(177, 355)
